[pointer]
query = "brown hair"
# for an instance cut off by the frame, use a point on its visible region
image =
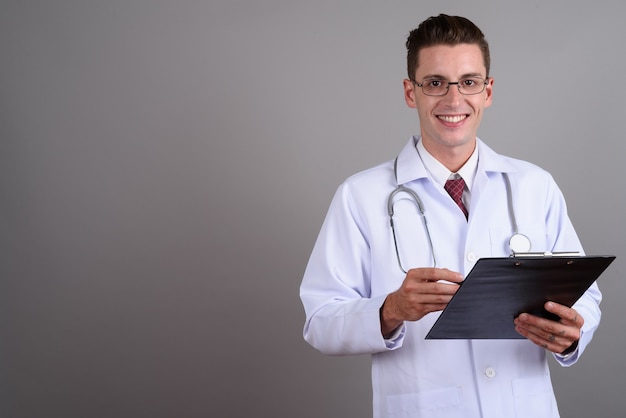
(444, 30)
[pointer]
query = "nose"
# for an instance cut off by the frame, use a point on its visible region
(453, 95)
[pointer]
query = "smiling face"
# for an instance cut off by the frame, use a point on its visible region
(449, 123)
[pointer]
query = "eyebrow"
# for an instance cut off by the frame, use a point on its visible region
(440, 77)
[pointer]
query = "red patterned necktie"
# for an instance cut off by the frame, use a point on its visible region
(455, 190)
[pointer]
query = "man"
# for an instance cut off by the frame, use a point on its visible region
(372, 289)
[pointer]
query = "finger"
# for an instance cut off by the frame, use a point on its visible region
(447, 276)
(452, 276)
(544, 327)
(550, 335)
(434, 275)
(548, 341)
(417, 288)
(575, 320)
(567, 315)
(437, 293)
(431, 298)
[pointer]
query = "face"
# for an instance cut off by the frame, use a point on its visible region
(449, 123)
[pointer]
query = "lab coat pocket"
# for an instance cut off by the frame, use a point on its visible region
(437, 403)
(534, 398)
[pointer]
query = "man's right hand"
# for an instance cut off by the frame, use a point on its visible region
(423, 290)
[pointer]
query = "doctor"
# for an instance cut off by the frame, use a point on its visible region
(355, 291)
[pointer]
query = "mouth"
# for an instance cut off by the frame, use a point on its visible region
(452, 118)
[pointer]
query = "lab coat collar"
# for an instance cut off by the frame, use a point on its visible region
(410, 166)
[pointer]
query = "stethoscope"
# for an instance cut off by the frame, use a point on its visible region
(518, 243)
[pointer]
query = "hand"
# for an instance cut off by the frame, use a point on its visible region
(421, 292)
(556, 336)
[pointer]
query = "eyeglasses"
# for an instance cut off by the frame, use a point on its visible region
(438, 87)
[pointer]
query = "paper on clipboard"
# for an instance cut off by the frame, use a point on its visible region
(498, 289)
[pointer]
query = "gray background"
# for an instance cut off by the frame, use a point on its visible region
(165, 167)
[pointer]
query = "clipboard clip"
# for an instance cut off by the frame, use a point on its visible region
(545, 254)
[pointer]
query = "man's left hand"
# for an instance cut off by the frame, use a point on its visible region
(556, 336)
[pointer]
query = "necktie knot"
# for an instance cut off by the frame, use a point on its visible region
(455, 189)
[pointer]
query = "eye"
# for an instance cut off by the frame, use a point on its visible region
(469, 82)
(434, 83)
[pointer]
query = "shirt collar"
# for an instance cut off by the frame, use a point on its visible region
(441, 174)
(410, 167)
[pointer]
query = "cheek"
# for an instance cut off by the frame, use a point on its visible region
(425, 105)
(481, 103)
(422, 115)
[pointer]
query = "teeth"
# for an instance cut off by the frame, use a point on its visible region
(452, 119)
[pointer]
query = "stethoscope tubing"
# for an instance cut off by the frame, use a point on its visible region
(518, 243)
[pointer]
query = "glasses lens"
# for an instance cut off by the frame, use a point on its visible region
(471, 85)
(434, 87)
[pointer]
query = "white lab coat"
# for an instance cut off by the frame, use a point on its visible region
(353, 267)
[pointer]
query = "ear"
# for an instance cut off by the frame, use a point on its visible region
(409, 93)
(489, 90)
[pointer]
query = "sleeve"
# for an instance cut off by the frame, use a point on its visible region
(565, 239)
(341, 316)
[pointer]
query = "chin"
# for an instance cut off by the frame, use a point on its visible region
(460, 142)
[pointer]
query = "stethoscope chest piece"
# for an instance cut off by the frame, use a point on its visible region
(519, 243)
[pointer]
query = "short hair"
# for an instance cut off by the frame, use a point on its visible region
(444, 30)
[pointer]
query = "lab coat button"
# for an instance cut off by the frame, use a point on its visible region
(490, 372)
(471, 256)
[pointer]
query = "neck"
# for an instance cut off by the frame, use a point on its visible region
(452, 157)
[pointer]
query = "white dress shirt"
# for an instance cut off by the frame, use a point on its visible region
(441, 174)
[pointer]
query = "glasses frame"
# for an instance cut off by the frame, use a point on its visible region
(449, 83)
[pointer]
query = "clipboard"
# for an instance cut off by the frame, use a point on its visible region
(497, 290)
